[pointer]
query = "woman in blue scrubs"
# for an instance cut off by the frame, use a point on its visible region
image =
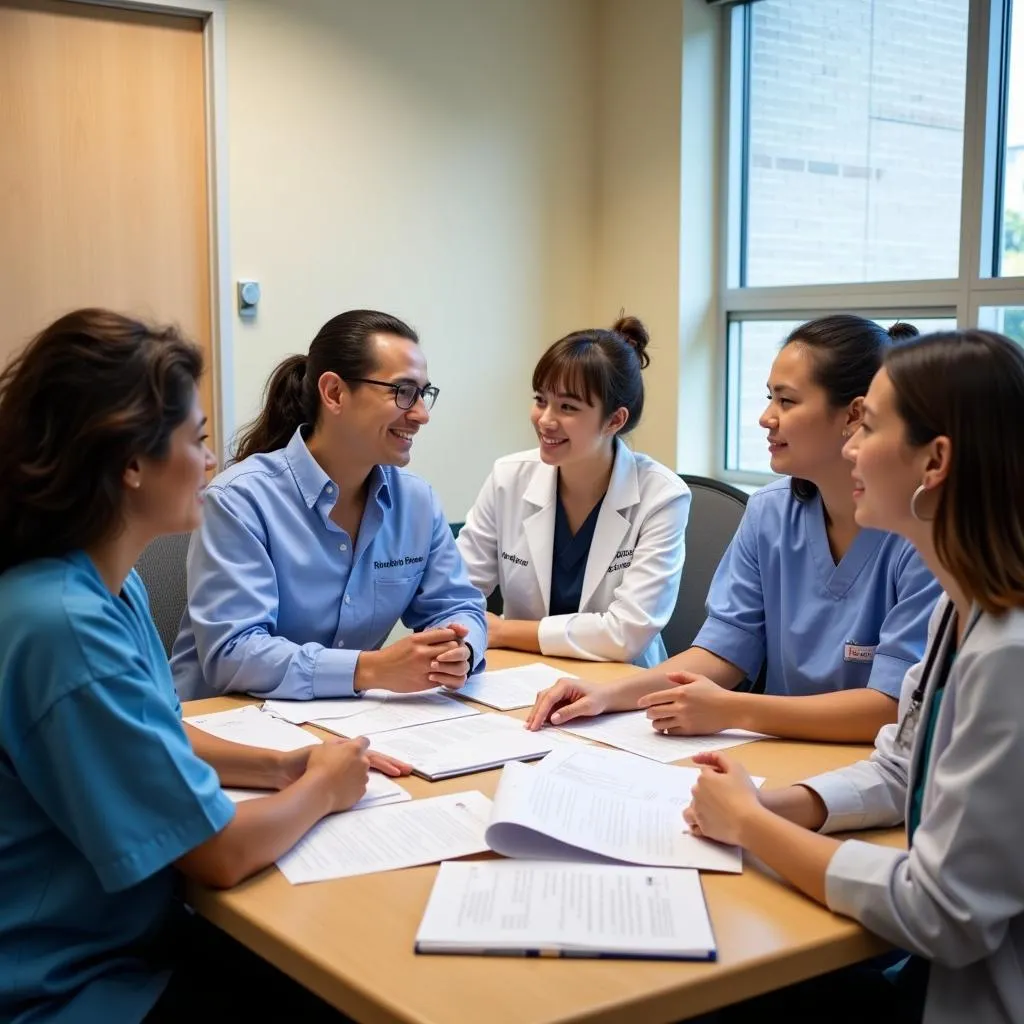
(939, 459)
(836, 613)
(316, 541)
(103, 790)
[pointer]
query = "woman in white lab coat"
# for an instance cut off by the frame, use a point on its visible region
(939, 459)
(583, 536)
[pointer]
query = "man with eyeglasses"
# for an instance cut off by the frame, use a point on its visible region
(317, 541)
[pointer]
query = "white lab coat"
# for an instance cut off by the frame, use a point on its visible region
(633, 569)
(957, 897)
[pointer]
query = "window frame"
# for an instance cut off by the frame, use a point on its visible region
(977, 284)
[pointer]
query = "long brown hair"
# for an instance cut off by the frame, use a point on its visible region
(969, 386)
(90, 393)
(342, 346)
(601, 364)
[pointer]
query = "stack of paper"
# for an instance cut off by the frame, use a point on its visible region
(588, 801)
(632, 731)
(255, 728)
(445, 749)
(386, 838)
(509, 688)
(543, 908)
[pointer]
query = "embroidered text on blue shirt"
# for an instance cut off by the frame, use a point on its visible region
(391, 563)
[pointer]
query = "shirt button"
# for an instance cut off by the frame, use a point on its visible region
(348, 600)
(329, 489)
(343, 547)
(341, 643)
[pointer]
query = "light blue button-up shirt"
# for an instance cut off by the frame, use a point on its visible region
(779, 595)
(281, 602)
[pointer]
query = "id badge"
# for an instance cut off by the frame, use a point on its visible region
(908, 726)
(859, 653)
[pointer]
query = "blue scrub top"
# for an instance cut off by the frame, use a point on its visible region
(280, 599)
(569, 564)
(778, 594)
(100, 792)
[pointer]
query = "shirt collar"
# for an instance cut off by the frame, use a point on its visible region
(312, 481)
(308, 473)
(380, 485)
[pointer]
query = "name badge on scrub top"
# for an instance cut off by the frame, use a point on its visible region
(859, 652)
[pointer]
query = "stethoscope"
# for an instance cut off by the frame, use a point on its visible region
(908, 724)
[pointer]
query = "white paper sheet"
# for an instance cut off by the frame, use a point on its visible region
(302, 711)
(413, 708)
(379, 790)
(631, 730)
(258, 729)
(509, 688)
(251, 726)
(444, 749)
(397, 711)
(594, 801)
(386, 838)
(501, 906)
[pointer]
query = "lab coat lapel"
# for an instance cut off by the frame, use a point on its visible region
(623, 493)
(539, 525)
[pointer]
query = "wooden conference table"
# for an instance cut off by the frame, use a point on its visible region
(351, 940)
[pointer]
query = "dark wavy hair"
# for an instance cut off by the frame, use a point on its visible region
(342, 346)
(969, 386)
(90, 393)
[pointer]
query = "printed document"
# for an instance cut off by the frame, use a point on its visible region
(553, 908)
(256, 728)
(412, 709)
(576, 804)
(445, 749)
(506, 689)
(631, 730)
(386, 838)
(375, 711)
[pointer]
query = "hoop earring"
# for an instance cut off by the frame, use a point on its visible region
(913, 505)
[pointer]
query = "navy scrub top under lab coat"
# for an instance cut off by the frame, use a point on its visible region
(570, 560)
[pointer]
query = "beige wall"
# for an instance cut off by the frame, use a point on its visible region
(657, 234)
(497, 173)
(637, 222)
(434, 160)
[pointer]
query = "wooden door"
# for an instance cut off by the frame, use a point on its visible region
(103, 170)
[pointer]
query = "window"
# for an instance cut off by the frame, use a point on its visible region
(1012, 242)
(855, 142)
(753, 345)
(1008, 320)
(855, 180)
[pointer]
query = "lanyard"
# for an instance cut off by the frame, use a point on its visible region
(908, 724)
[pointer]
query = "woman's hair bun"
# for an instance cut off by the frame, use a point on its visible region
(633, 330)
(902, 331)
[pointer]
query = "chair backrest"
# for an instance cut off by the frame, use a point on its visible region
(162, 568)
(494, 603)
(715, 512)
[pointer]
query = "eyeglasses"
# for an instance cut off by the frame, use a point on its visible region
(406, 393)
